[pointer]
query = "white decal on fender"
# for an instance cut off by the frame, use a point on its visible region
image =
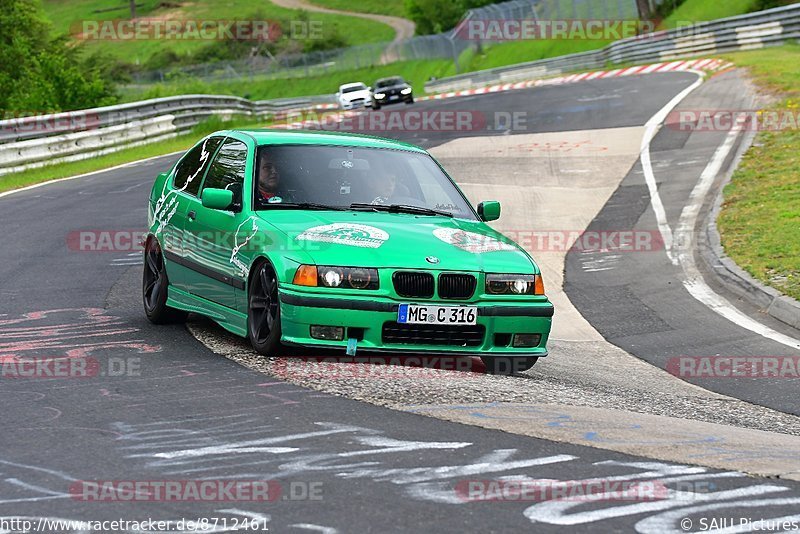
(244, 270)
(471, 241)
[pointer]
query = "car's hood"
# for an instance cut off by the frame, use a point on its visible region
(369, 239)
(354, 94)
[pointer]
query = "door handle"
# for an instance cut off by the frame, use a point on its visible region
(192, 215)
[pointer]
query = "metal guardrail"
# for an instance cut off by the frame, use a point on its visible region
(189, 110)
(743, 32)
(24, 144)
(31, 142)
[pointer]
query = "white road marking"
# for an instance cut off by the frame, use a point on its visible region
(694, 282)
(651, 129)
(93, 173)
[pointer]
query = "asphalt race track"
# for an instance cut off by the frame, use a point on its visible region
(163, 407)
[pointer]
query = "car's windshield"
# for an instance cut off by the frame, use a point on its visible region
(389, 82)
(353, 88)
(340, 177)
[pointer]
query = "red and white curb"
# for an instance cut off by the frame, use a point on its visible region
(704, 65)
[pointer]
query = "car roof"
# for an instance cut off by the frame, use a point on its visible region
(354, 84)
(268, 136)
(388, 78)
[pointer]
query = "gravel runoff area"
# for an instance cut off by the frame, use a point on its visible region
(642, 389)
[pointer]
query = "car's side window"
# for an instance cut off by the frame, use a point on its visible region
(227, 170)
(189, 172)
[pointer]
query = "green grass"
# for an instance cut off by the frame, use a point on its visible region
(521, 51)
(416, 72)
(128, 155)
(692, 11)
(67, 16)
(379, 7)
(760, 219)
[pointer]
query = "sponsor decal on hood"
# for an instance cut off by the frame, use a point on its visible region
(470, 241)
(354, 235)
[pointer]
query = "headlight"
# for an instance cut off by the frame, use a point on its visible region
(514, 284)
(343, 277)
(380, 95)
(406, 91)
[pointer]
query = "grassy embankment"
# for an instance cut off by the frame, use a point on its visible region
(760, 220)
(68, 16)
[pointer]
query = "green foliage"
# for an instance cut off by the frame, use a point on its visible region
(230, 49)
(760, 218)
(761, 5)
(436, 16)
(39, 73)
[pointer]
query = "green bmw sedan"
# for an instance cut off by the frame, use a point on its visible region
(339, 241)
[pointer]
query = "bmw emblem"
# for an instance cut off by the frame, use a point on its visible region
(432, 259)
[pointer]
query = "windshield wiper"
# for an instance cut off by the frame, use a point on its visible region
(400, 208)
(302, 206)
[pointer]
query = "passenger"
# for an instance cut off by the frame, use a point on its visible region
(383, 185)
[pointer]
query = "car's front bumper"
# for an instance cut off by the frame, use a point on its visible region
(358, 104)
(367, 316)
(401, 99)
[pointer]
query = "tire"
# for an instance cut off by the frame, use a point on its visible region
(376, 107)
(508, 365)
(264, 311)
(155, 287)
(410, 101)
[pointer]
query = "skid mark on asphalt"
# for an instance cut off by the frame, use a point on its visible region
(70, 332)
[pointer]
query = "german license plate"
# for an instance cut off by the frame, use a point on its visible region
(421, 314)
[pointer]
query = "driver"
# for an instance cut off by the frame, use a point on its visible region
(268, 180)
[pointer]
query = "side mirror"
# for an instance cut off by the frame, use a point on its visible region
(489, 210)
(217, 199)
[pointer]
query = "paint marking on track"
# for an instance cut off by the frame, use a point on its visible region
(694, 282)
(124, 165)
(651, 129)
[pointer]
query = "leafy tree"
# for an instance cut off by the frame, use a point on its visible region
(41, 73)
(436, 16)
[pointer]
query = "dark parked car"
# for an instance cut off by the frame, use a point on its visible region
(391, 91)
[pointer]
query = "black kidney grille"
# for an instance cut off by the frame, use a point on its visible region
(431, 334)
(457, 286)
(413, 284)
